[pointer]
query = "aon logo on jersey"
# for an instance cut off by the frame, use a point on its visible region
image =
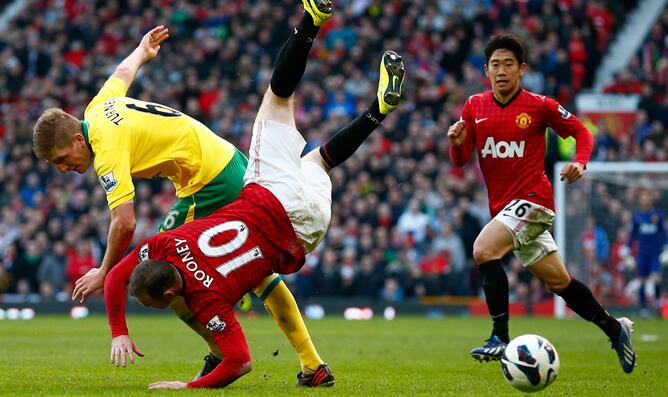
(502, 149)
(648, 228)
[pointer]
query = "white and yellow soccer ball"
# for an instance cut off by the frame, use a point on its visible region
(530, 363)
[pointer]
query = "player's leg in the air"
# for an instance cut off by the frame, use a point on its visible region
(275, 295)
(288, 71)
(275, 137)
(316, 164)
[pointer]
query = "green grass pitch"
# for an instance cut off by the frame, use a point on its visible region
(409, 356)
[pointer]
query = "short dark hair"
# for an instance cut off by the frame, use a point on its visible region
(508, 42)
(151, 278)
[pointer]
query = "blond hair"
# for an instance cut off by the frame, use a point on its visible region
(54, 129)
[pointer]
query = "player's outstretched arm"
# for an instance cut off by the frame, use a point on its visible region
(146, 50)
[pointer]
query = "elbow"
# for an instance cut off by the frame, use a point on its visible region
(122, 72)
(128, 225)
(244, 362)
(458, 162)
(246, 367)
(124, 225)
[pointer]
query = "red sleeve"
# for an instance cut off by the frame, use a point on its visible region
(232, 343)
(566, 124)
(461, 154)
(115, 292)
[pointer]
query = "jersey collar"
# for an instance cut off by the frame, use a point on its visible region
(503, 105)
(84, 125)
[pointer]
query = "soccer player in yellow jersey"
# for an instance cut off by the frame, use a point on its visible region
(126, 137)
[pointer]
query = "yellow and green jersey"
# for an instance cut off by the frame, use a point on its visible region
(130, 138)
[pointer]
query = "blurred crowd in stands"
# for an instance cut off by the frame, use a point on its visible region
(404, 219)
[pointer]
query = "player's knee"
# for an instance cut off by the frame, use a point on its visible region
(272, 103)
(557, 285)
(315, 157)
(483, 253)
(273, 99)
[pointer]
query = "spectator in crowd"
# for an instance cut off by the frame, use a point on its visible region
(448, 244)
(51, 272)
(80, 260)
(413, 223)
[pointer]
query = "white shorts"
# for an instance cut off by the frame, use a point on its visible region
(303, 187)
(528, 223)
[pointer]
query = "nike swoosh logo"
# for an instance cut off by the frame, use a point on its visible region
(478, 121)
(395, 82)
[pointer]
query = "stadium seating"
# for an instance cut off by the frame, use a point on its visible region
(404, 218)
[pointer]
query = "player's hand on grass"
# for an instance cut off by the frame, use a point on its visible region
(168, 384)
(90, 282)
(122, 349)
(572, 172)
(457, 133)
(152, 40)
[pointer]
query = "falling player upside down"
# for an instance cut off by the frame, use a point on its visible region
(282, 213)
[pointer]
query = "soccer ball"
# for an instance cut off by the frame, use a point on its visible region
(530, 363)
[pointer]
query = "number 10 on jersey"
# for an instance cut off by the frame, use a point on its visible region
(204, 243)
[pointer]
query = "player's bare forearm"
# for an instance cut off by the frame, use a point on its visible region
(120, 234)
(128, 68)
(146, 50)
(121, 230)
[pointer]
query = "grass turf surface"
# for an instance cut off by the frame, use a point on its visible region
(54, 356)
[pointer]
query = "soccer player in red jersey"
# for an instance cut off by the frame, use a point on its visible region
(506, 126)
(281, 214)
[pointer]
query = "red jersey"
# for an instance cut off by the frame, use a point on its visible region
(220, 258)
(510, 142)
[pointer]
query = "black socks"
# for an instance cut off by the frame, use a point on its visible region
(495, 285)
(291, 60)
(349, 138)
(580, 299)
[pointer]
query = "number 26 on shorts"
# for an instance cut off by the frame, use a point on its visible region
(519, 208)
